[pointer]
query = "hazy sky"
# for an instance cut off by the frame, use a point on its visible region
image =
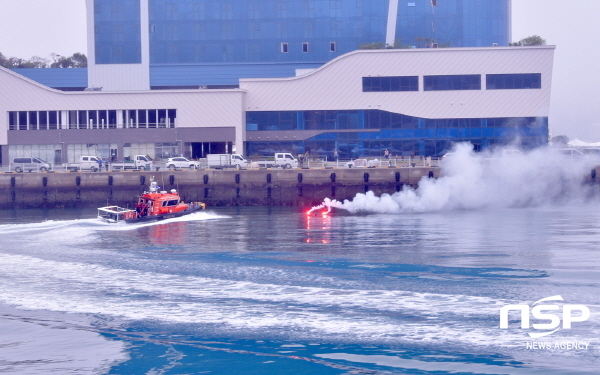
(40, 27)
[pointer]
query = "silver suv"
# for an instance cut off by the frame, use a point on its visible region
(181, 162)
(29, 164)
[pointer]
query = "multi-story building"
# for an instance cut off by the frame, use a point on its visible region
(201, 76)
(411, 101)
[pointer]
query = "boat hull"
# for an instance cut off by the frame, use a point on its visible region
(164, 216)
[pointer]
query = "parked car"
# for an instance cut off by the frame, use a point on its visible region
(181, 162)
(221, 161)
(512, 153)
(357, 163)
(592, 154)
(570, 153)
(92, 163)
(591, 151)
(137, 163)
(32, 164)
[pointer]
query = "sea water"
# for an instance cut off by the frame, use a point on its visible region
(275, 291)
(409, 283)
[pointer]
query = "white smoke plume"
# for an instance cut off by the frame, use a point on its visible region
(485, 180)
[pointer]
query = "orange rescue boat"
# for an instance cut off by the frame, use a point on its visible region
(151, 205)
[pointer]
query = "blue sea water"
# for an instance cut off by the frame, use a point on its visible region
(271, 290)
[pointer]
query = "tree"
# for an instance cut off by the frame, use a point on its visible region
(399, 45)
(77, 60)
(38, 62)
(429, 42)
(533, 40)
(376, 45)
(15, 62)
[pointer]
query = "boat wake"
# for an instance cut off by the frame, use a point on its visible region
(94, 223)
(196, 216)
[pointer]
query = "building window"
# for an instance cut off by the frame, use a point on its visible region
(332, 47)
(513, 81)
(305, 47)
(93, 119)
(403, 135)
(452, 82)
(284, 47)
(401, 83)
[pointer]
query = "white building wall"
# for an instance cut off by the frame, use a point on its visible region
(119, 77)
(338, 84)
(195, 108)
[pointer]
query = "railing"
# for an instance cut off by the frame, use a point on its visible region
(312, 163)
(148, 125)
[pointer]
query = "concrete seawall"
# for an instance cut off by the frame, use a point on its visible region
(297, 187)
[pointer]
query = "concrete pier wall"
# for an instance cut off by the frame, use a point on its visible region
(297, 187)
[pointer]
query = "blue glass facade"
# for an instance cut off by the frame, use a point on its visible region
(453, 23)
(117, 32)
(201, 33)
(368, 132)
(217, 31)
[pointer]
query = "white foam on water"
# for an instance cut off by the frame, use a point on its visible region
(48, 225)
(196, 216)
(97, 224)
(483, 180)
(31, 283)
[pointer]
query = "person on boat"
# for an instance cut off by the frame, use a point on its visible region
(141, 209)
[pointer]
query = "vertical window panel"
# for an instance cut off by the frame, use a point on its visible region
(103, 117)
(53, 120)
(33, 120)
(43, 120)
(72, 119)
(132, 119)
(172, 116)
(13, 121)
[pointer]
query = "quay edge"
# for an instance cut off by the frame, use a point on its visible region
(269, 187)
(272, 187)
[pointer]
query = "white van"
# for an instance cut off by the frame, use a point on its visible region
(220, 161)
(29, 164)
(570, 153)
